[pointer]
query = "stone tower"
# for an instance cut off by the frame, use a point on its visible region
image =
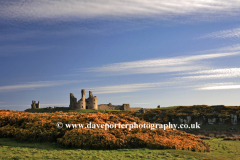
(35, 105)
(73, 102)
(91, 102)
(83, 100)
(83, 103)
(38, 106)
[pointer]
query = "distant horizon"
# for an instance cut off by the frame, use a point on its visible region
(135, 107)
(142, 53)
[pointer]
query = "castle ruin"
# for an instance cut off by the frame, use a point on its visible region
(88, 103)
(91, 103)
(114, 107)
(35, 105)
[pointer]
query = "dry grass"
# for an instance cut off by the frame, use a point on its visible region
(203, 137)
(225, 134)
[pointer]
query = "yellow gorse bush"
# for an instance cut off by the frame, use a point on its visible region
(26, 126)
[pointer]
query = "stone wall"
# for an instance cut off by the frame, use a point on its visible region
(35, 104)
(74, 104)
(126, 107)
(114, 107)
(91, 102)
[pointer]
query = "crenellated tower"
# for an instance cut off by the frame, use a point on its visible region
(83, 103)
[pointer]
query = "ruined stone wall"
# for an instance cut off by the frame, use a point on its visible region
(73, 102)
(92, 103)
(89, 103)
(126, 107)
(118, 107)
(38, 105)
(81, 104)
(35, 105)
(113, 107)
(105, 106)
(143, 111)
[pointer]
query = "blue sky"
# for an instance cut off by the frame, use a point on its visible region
(142, 52)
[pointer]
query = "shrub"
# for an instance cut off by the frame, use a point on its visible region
(42, 127)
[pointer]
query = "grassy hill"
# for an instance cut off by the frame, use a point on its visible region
(220, 149)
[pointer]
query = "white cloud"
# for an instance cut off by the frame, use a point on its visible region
(228, 49)
(63, 9)
(134, 87)
(223, 34)
(215, 73)
(33, 85)
(170, 83)
(147, 70)
(127, 88)
(175, 64)
(220, 86)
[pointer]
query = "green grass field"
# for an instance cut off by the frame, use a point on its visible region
(10, 149)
